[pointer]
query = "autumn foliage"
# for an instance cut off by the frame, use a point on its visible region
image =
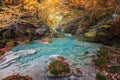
(58, 12)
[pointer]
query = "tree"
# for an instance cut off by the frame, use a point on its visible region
(1, 3)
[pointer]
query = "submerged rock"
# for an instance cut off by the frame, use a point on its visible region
(72, 77)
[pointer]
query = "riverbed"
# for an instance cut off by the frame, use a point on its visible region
(32, 58)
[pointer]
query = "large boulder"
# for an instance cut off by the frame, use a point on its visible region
(23, 30)
(105, 29)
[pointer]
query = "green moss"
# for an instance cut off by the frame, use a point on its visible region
(104, 49)
(92, 27)
(1, 53)
(103, 54)
(62, 67)
(102, 33)
(60, 35)
(1, 8)
(91, 33)
(17, 77)
(100, 77)
(100, 62)
(105, 26)
(114, 69)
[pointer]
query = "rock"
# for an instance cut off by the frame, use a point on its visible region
(20, 43)
(26, 52)
(10, 43)
(103, 29)
(21, 31)
(105, 26)
(72, 77)
(91, 33)
(53, 57)
(9, 59)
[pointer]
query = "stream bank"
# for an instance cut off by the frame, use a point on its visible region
(32, 58)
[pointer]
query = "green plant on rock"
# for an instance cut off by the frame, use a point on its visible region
(114, 69)
(105, 26)
(100, 62)
(57, 67)
(104, 50)
(91, 33)
(99, 76)
(1, 53)
(17, 77)
(103, 54)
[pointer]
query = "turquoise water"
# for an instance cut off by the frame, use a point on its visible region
(68, 46)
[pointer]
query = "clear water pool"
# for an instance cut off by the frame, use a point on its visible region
(68, 46)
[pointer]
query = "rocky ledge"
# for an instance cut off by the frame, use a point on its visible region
(18, 33)
(103, 28)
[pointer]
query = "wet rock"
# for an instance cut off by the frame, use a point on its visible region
(72, 77)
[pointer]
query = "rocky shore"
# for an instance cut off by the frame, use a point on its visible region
(101, 26)
(108, 63)
(38, 70)
(19, 33)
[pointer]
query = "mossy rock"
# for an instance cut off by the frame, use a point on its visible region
(91, 33)
(102, 34)
(26, 40)
(100, 76)
(17, 77)
(69, 28)
(104, 49)
(92, 27)
(100, 62)
(1, 53)
(105, 26)
(11, 43)
(114, 69)
(63, 67)
(60, 35)
(1, 9)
